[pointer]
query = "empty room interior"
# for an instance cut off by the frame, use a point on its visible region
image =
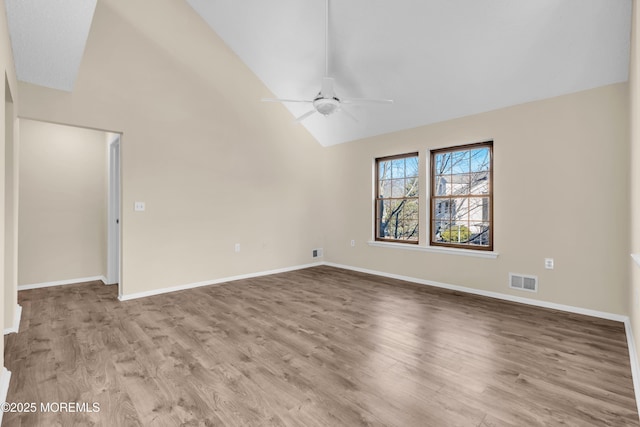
(320, 213)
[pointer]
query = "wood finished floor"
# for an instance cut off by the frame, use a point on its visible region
(316, 347)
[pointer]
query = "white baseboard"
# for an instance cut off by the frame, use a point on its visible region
(213, 282)
(5, 378)
(13, 329)
(62, 282)
(498, 295)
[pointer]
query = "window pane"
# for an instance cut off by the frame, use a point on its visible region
(440, 185)
(411, 208)
(397, 168)
(460, 162)
(385, 189)
(443, 164)
(478, 209)
(384, 170)
(397, 187)
(411, 189)
(480, 159)
(460, 210)
(479, 183)
(479, 233)
(412, 167)
(410, 228)
(460, 184)
(442, 209)
(438, 228)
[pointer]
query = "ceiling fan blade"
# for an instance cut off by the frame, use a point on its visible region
(366, 101)
(327, 88)
(305, 115)
(284, 100)
(348, 114)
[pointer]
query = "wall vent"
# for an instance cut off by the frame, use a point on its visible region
(523, 282)
(316, 253)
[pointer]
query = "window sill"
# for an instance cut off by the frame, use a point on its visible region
(437, 250)
(636, 258)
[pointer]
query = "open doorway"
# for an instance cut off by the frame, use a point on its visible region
(69, 201)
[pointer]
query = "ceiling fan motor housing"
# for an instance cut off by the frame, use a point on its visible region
(326, 106)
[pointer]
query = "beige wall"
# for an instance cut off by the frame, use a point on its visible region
(63, 203)
(7, 304)
(634, 90)
(560, 182)
(213, 164)
(11, 213)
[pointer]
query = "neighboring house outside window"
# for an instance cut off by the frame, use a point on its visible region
(462, 197)
(396, 198)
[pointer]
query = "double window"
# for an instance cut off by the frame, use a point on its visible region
(461, 197)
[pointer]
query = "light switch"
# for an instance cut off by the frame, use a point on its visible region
(138, 206)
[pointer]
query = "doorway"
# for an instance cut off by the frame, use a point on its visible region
(69, 215)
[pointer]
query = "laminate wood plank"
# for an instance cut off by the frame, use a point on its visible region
(315, 347)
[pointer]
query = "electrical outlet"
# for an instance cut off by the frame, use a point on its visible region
(138, 206)
(548, 263)
(237, 247)
(353, 243)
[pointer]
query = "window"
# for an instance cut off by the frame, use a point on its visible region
(462, 197)
(396, 211)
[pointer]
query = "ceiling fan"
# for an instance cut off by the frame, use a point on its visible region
(326, 102)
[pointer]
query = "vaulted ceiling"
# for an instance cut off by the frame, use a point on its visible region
(437, 59)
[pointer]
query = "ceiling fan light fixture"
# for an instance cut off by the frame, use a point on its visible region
(326, 102)
(326, 106)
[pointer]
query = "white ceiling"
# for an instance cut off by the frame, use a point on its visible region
(48, 39)
(438, 59)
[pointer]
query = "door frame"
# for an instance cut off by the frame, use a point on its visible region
(113, 214)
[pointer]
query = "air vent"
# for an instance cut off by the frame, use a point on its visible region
(523, 282)
(316, 253)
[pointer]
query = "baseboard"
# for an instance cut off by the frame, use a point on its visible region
(5, 378)
(62, 282)
(13, 329)
(498, 295)
(633, 359)
(213, 282)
